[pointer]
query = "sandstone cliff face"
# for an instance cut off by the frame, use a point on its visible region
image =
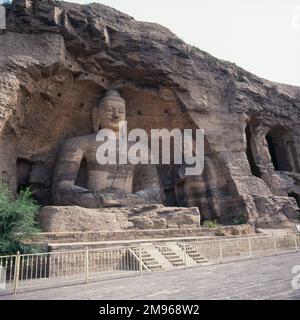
(56, 61)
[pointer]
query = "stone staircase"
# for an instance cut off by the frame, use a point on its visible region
(171, 255)
(163, 256)
(156, 256)
(148, 259)
(192, 252)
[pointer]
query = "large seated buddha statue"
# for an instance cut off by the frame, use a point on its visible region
(108, 185)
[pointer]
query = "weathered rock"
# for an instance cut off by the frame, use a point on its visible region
(160, 217)
(56, 61)
(276, 212)
(74, 218)
(233, 230)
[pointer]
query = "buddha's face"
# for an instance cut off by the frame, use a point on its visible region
(110, 114)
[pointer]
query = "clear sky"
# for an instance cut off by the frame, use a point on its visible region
(262, 36)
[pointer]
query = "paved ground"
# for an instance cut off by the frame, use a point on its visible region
(263, 278)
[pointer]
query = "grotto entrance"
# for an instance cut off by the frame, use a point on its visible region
(272, 150)
(280, 149)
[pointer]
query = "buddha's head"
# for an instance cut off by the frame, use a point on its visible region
(110, 111)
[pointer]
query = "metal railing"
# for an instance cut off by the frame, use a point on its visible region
(42, 270)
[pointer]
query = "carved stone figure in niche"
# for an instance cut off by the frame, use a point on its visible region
(106, 185)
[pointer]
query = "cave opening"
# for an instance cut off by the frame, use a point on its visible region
(272, 150)
(280, 149)
(253, 166)
(24, 168)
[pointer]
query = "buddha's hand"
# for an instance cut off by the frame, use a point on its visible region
(118, 199)
(108, 203)
(123, 202)
(106, 200)
(129, 200)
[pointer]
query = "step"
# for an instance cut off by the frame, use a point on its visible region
(178, 264)
(191, 251)
(170, 254)
(176, 259)
(149, 259)
(155, 267)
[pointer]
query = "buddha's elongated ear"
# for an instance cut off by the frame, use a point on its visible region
(96, 120)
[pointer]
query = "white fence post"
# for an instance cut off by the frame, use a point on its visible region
(296, 244)
(250, 247)
(86, 265)
(185, 257)
(275, 246)
(140, 260)
(221, 251)
(2, 17)
(17, 272)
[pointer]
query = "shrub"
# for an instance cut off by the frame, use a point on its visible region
(210, 224)
(239, 220)
(17, 221)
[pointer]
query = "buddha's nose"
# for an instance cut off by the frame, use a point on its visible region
(116, 114)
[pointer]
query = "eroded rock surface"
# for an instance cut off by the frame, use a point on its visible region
(74, 218)
(57, 60)
(160, 217)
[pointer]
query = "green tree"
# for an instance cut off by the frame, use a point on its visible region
(17, 220)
